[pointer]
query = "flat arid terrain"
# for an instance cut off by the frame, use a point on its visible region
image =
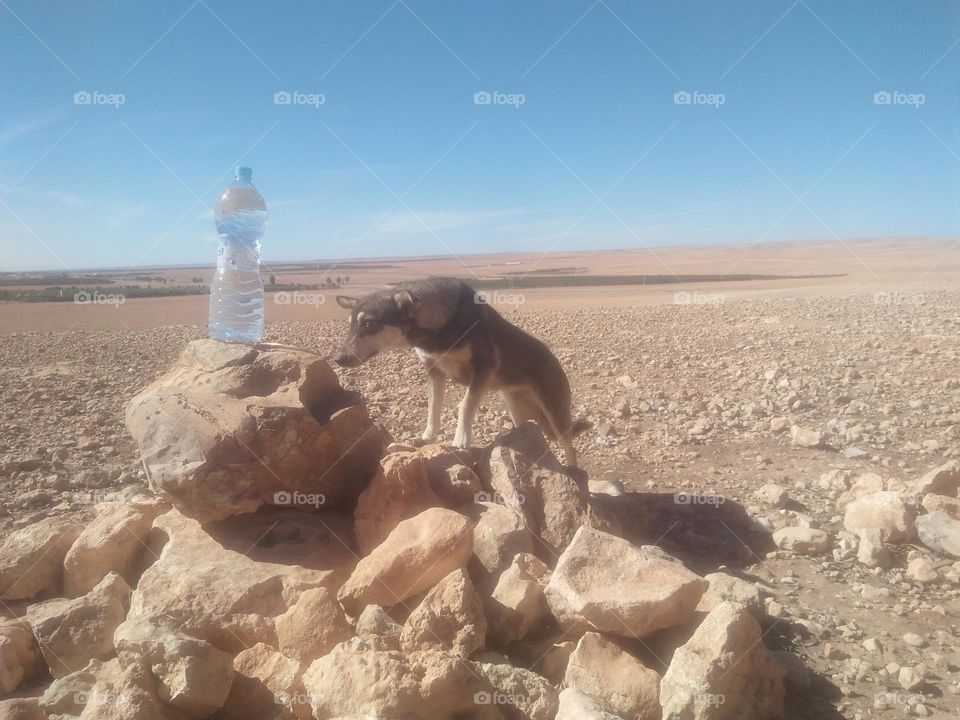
(774, 413)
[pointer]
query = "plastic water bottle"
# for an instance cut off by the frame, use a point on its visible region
(236, 293)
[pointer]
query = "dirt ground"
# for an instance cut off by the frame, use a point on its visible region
(687, 394)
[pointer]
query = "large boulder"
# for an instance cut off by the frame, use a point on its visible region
(942, 480)
(31, 558)
(73, 632)
(723, 672)
(521, 693)
(312, 626)
(112, 542)
(397, 493)
(605, 583)
(227, 583)
(617, 681)
(529, 479)
(889, 511)
(190, 674)
(517, 605)
(415, 556)
(577, 705)
(267, 685)
(103, 691)
(499, 534)
(451, 473)
(20, 658)
(21, 709)
(229, 428)
(450, 619)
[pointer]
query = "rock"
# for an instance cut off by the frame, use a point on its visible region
(517, 604)
(31, 558)
(910, 678)
(312, 626)
(575, 705)
(450, 619)
(102, 691)
(727, 588)
(606, 584)
(73, 632)
(66, 697)
(553, 663)
(871, 551)
(618, 682)
(112, 542)
(723, 671)
(949, 505)
(940, 532)
(797, 676)
(498, 535)
(531, 695)
(866, 484)
(397, 493)
(376, 626)
(532, 482)
(266, 686)
(355, 680)
(415, 556)
(19, 655)
(227, 583)
(921, 570)
(229, 428)
(190, 674)
(802, 540)
(770, 494)
(450, 474)
(779, 424)
(806, 438)
(942, 480)
(451, 687)
(889, 511)
(21, 709)
(914, 640)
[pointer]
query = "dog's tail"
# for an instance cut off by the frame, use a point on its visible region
(580, 426)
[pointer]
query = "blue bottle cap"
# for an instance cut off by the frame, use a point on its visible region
(244, 173)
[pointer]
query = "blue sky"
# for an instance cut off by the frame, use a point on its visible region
(587, 144)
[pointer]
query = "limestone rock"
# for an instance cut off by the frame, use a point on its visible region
(190, 674)
(377, 627)
(229, 428)
(227, 583)
(618, 682)
(415, 556)
(723, 671)
(949, 505)
(517, 604)
(498, 535)
(266, 686)
(532, 482)
(31, 558)
(940, 532)
(73, 632)
(801, 540)
(531, 696)
(312, 626)
(19, 655)
(921, 570)
(21, 709)
(727, 588)
(112, 542)
(397, 493)
(450, 619)
(806, 437)
(890, 511)
(606, 584)
(942, 480)
(450, 474)
(576, 705)
(870, 551)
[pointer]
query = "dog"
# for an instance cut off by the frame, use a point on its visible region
(459, 336)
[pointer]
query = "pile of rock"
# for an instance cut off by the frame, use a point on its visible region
(426, 583)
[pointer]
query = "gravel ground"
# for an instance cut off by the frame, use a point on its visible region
(694, 398)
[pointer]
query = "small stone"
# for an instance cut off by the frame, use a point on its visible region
(914, 640)
(921, 570)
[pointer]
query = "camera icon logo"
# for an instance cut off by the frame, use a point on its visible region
(282, 98)
(482, 97)
(682, 97)
(882, 98)
(82, 97)
(282, 498)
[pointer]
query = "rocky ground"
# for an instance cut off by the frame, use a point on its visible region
(725, 422)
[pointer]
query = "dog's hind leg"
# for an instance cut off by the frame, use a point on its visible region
(521, 405)
(436, 384)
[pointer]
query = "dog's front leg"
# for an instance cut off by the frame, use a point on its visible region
(468, 411)
(437, 383)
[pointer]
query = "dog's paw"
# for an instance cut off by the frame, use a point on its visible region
(461, 441)
(429, 435)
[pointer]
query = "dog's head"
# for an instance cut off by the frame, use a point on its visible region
(379, 322)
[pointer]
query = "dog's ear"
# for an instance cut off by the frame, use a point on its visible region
(346, 302)
(406, 301)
